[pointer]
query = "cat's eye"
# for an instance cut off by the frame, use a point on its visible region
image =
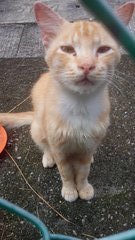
(68, 49)
(103, 49)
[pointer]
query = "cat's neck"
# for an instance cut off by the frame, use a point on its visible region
(76, 104)
(83, 99)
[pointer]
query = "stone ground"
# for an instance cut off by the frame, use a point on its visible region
(113, 208)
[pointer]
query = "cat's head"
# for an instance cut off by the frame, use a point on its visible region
(80, 55)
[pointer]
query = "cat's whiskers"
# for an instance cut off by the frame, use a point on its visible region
(121, 79)
(121, 73)
(118, 79)
(110, 78)
(112, 83)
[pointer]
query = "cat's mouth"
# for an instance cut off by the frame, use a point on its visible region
(85, 81)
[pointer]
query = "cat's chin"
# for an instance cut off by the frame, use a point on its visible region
(82, 89)
(81, 86)
(85, 81)
(85, 86)
(88, 87)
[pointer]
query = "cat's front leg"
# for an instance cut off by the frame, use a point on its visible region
(38, 136)
(69, 191)
(82, 169)
(47, 160)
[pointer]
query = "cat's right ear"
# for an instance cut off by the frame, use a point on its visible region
(125, 11)
(48, 21)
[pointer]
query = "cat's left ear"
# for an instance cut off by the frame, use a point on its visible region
(48, 21)
(125, 12)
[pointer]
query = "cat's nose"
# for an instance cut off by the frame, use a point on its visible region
(87, 68)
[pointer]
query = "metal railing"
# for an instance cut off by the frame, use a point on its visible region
(105, 14)
(12, 208)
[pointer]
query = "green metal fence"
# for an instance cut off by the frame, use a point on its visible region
(105, 14)
(12, 208)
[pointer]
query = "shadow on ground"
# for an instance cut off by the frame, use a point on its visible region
(112, 174)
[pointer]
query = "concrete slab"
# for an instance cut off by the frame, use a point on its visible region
(112, 174)
(19, 35)
(10, 40)
(14, 11)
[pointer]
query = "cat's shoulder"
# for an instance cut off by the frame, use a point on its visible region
(42, 81)
(41, 86)
(40, 89)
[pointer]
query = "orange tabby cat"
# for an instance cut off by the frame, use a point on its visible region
(71, 103)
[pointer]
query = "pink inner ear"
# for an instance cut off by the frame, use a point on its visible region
(48, 21)
(125, 12)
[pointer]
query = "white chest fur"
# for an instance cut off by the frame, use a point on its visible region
(81, 111)
(81, 114)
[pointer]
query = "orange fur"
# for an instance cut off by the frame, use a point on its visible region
(71, 102)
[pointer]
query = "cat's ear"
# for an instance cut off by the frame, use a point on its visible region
(125, 11)
(48, 21)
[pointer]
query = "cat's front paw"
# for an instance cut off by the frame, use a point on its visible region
(69, 194)
(87, 192)
(92, 159)
(47, 161)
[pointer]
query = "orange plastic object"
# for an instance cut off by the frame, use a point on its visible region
(3, 138)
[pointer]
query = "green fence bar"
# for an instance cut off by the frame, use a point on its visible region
(106, 15)
(20, 212)
(128, 235)
(12, 208)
